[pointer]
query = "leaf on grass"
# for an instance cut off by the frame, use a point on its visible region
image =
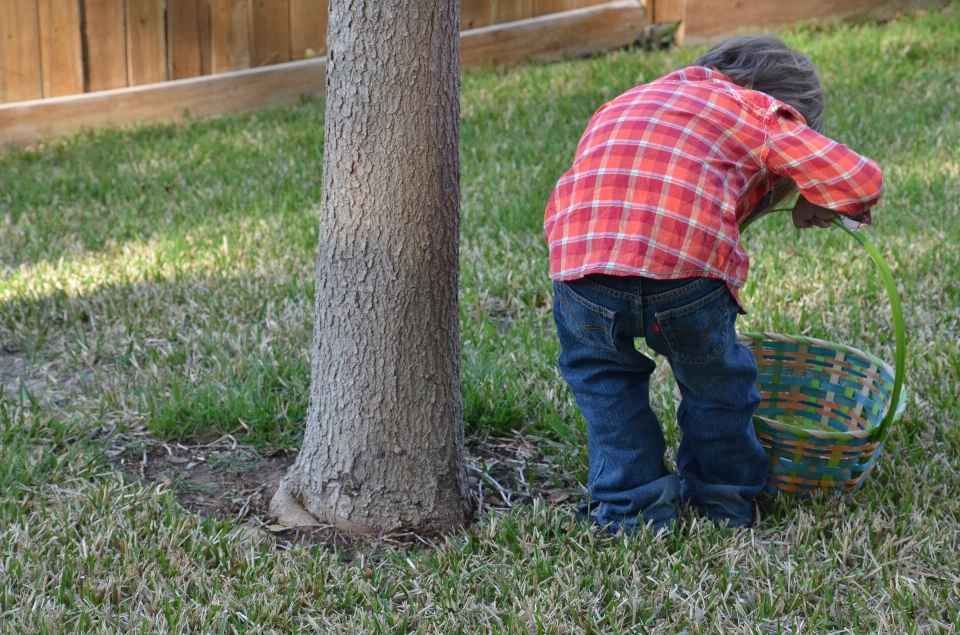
(492, 499)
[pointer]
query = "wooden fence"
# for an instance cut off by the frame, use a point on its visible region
(52, 48)
(66, 65)
(576, 32)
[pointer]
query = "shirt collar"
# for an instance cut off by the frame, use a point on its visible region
(692, 74)
(697, 74)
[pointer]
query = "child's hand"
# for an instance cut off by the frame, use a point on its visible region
(807, 214)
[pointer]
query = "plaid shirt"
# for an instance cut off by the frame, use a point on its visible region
(666, 172)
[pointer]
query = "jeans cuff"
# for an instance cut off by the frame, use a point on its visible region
(653, 503)
(719, 503)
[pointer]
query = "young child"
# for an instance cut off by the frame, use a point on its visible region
(644, 242)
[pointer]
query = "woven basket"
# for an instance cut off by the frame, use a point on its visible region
(825, 408)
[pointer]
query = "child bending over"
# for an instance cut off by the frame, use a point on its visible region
(644, 242)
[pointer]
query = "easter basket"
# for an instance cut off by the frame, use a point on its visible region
(825, 408)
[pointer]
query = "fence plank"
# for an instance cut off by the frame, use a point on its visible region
(479, 13)
(546, 7)
(61, 49)
(146, 45)
(512, 10)
(32, 121)
(20, 76)
(203, 27)
(308, 27)
(711, 20)
(475, 14)
(665, 11)
(229, 36)
(583, 4)
(269, 32)
(105, 33)
(579, 32)
(183, 38)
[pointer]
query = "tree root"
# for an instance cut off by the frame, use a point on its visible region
(289, 511)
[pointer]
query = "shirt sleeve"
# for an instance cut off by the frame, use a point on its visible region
(827, 173)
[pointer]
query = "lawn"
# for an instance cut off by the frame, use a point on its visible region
(155, 323)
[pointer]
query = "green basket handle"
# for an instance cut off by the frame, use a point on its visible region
(899, 331)
(900, 334)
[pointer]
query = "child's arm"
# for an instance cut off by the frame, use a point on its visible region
(829, 175)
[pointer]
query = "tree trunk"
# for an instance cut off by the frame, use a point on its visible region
(383, 448)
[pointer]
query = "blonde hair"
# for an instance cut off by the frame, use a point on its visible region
(764, 63)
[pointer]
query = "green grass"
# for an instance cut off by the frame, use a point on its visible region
(159, 281)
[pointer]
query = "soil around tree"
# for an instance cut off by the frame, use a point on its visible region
(228, 480)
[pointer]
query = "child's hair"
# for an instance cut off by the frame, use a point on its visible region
(764, 63)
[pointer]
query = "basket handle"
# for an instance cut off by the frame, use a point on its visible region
(900, 355)
(898, 327)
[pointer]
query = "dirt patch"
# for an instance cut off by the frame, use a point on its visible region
(48, 383)
(226, 479)
(223, 478)
(12, 368)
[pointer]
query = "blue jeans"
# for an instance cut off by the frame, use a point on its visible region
(690, 322)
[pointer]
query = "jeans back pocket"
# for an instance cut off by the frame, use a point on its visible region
(588, 322)
(697, 333)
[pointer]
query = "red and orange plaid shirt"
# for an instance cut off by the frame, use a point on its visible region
(665, 174)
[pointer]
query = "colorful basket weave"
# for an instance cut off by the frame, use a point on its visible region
(825, 408)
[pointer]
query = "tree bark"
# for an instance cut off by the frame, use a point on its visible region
(383, 447)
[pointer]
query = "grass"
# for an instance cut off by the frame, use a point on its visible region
(158, 282)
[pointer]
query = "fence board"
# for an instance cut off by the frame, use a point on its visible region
(61, 49)
(579, 32)
(480, 13)
(269, 32)
(33, 121)
(229, 36)
(583, 4)
(546, 7)
(203, 27)
(512, 10)
(105, 33)
(183, 38)
(146, 44)
(308, 27)
(476, 13)
(711, 20)
(668, 11)
(20, 76)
